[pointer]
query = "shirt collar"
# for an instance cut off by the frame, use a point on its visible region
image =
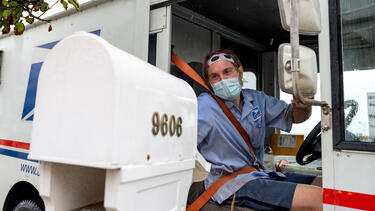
(245, 98)
(229, 104)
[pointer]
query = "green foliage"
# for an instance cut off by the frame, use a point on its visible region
(14, 13)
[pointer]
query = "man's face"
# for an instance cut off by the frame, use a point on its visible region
(222, 70)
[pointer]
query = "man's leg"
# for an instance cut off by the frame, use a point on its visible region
(307, 197)
(294, 192)
(317, 181)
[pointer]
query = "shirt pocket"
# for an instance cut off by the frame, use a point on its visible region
(256, 130)
(257, 123)
(256, 118)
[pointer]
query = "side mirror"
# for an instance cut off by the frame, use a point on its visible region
(307, 82)
(309, 21)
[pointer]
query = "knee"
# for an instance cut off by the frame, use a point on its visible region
(307, 197)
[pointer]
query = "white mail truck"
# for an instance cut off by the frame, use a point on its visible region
(341, 144)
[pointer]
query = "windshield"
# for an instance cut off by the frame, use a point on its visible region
(358, 62)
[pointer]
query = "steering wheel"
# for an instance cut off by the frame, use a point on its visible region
(310, 149)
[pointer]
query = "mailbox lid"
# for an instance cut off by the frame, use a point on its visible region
(89, 103)
(74, 115)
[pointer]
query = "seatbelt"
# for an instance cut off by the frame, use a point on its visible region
(183, 66)
(206, 195)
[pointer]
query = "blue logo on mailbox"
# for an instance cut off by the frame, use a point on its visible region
(28, 107)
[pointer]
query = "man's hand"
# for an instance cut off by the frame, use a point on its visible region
(298, 104)
(301, 112)
(279, 164)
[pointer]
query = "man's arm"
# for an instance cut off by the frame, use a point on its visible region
(301, 112)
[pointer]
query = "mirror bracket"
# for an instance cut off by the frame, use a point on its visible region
(288, 66)
(295, 64)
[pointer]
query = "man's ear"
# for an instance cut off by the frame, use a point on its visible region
(240, 74)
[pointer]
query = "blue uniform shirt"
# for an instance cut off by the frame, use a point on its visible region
(222, 145)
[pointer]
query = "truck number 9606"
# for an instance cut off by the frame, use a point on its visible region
(164, 124)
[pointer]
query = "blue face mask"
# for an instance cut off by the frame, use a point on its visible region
(227, 89)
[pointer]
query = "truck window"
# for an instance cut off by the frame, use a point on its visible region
(305, 127)
(358, 64)
(249, 80)
(355, 105)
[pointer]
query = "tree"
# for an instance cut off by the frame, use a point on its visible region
(15, 13)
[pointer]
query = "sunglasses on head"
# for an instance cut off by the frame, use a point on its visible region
(218, 56)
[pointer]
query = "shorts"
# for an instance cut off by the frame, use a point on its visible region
(274, 193)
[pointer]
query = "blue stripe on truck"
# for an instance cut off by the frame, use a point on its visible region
(16, 154)
(31, 90)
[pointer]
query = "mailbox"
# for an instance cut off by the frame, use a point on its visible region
(111, 127)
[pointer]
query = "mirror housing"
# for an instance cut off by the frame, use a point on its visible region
(309, 22)
(307, 82)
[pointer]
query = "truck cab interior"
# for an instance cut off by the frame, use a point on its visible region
(251, 29)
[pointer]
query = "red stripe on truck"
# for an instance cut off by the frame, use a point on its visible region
(354, 200)
(15, 144)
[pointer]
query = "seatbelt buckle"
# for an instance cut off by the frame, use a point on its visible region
(259, 166)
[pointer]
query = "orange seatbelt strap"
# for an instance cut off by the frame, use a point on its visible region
(206, 195)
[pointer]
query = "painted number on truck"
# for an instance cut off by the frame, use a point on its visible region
(164, 125)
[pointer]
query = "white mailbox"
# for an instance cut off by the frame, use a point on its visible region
(105, 119)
